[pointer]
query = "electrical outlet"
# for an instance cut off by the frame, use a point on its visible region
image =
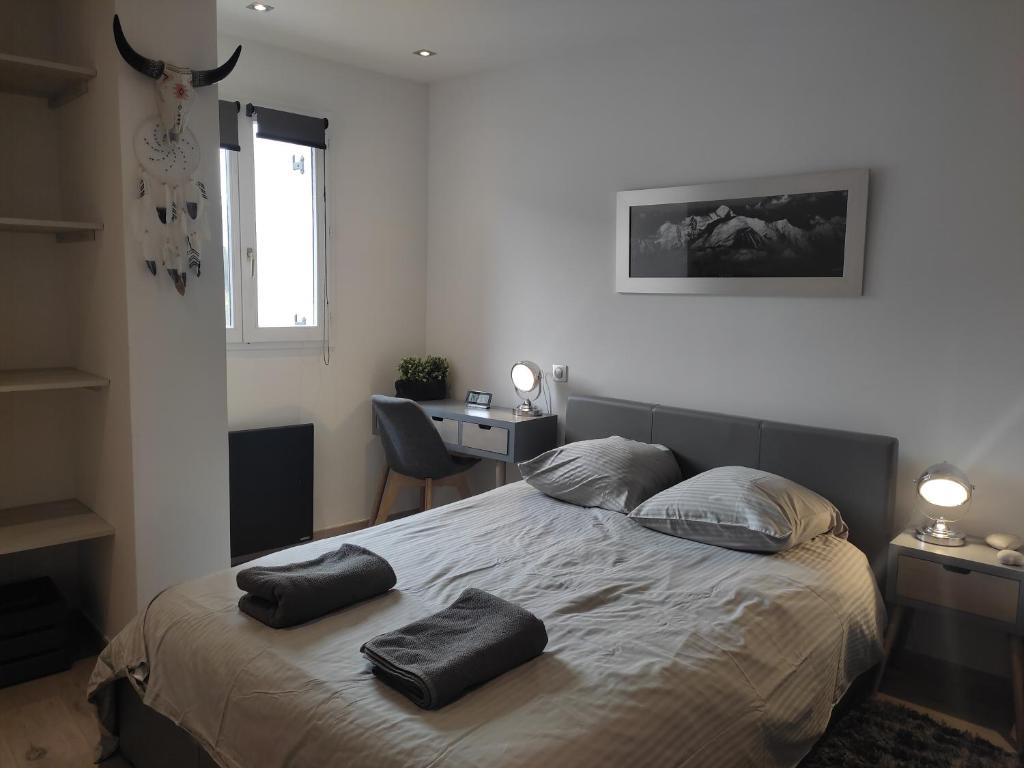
(560, 372)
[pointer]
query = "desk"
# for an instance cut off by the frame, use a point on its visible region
(494, 433)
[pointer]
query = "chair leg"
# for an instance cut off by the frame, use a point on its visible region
(387, 499)
(380, 493)
(428, 494)
(462, 485)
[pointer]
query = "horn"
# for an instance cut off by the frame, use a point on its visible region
(149, 67)
(201, 77)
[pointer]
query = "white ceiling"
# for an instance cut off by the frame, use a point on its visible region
(469, 35)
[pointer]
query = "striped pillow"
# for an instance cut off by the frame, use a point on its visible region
(741, 508)
(611, 473)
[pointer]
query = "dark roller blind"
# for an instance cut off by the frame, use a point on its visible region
(229, 124)
(288, 126)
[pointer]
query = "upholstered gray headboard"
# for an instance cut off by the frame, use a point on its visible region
(856, 472)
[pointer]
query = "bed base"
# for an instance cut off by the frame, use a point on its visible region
(150, 740)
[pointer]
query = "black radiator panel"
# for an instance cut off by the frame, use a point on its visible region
(271, 488)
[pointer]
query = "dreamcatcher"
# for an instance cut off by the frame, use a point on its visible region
(170, 201)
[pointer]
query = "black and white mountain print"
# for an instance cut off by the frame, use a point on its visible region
(798, 235)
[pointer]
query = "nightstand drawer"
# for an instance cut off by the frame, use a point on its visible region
(970, 591)
(484, 437)
(447, 428)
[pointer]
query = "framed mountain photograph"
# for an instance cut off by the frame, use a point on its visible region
(782, 236)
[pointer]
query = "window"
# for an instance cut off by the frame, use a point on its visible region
(274, 240)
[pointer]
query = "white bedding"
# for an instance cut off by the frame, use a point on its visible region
(662, 652)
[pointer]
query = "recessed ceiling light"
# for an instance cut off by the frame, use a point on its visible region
(260, 7)
(424, 53)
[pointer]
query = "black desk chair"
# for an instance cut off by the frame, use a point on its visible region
(416, 455)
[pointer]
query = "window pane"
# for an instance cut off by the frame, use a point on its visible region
(227, 236)
(286, 269)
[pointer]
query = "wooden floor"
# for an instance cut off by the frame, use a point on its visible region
(961, 698)
(46, 723)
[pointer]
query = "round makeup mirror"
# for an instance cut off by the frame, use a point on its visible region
(526, 379)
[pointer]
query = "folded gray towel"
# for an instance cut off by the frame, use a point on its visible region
(284, 595)
(435, 660)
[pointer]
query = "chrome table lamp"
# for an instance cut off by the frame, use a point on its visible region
(947, 492)
(526, 379)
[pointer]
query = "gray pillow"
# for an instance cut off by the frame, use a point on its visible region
(741, 508)
(612, 473)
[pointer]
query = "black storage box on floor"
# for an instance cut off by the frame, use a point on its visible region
(35, 631)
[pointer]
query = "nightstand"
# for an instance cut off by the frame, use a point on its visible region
(965, 583)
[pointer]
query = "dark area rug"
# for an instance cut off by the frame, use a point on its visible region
(883, 735)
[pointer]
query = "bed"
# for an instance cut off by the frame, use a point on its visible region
(662, 651)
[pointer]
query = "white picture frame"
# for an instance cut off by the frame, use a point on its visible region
(812, 187)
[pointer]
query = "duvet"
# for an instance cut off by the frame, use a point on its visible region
(662, 651)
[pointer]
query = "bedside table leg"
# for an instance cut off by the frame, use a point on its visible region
(891, 633)
(1017, 665)
(499, 474)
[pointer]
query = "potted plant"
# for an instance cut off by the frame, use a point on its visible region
(422, 378)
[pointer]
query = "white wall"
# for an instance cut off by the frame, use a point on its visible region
(525, 164)
(377, 195)
(176, 344)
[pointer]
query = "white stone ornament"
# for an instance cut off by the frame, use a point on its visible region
(1010, 557)
(1002, 541)
(169, 220)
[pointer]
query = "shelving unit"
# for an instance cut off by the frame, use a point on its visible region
(52, 523)
(48, 379)
(57, 83)
(46, 525)
(65, 231)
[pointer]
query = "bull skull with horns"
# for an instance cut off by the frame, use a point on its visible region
(170, 198)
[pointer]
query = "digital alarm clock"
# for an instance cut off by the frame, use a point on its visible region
(476, 399)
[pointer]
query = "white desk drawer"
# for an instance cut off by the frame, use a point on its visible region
(447, 428)
(972, 592)
(484, 437)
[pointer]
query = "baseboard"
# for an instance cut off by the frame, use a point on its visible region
(358, 525)
(339, 530)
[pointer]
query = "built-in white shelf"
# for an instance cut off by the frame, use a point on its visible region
(43, 379)
(66, 231)
(57, 83)
(46, 525)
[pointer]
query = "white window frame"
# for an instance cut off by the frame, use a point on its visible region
(245, 275)
(234, 333)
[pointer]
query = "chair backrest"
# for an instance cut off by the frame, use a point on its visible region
(411, 444)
